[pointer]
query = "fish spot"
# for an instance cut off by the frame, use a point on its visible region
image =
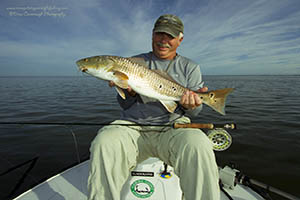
(160, 86)
(142, 74)
(174, 88)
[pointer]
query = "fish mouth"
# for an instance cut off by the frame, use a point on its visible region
(83, 69)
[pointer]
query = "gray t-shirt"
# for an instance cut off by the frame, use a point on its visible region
(184, 71)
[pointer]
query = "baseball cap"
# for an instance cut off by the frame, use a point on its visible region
(170, 24)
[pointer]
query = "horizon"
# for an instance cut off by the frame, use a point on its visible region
(252, 37)
(83, 76)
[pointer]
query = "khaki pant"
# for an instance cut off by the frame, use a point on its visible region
(117, 149)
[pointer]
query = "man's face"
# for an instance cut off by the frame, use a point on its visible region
(164, 45)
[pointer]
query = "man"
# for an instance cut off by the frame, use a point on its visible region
(117, 149)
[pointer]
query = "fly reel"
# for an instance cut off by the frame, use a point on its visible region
(220, 138)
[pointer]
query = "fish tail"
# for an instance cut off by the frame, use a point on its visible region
(216, 99)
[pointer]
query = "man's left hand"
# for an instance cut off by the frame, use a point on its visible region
(190, 100)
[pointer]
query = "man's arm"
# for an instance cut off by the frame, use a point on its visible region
(191, 102)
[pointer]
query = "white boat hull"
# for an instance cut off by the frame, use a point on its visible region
(146, 183)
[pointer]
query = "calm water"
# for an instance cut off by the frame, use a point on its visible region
(266, 145)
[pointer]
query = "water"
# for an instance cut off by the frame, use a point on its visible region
(266, 109)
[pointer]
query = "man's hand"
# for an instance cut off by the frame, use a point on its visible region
(190, 100)
(130, 91)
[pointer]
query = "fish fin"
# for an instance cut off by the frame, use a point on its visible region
(138, 60)
(141, 61)
(120, 92)
(121, 83)
(216, 99)
(169, 105)
(164, 74)
(121, 79)
(146, 99)
(121, 75)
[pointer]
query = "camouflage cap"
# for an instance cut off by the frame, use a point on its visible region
(170, 24)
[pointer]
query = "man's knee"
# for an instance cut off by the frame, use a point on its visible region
(194, 140)
(107, 137)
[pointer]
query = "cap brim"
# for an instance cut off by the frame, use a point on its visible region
(165, 29)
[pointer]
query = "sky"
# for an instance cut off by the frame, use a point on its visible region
(226, 37)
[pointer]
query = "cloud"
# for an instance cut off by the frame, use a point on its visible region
(225, 37)
(253, 32)
(90, 29)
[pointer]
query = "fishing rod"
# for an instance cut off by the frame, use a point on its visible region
(217, 134)
(245, 180)
(175, 125)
